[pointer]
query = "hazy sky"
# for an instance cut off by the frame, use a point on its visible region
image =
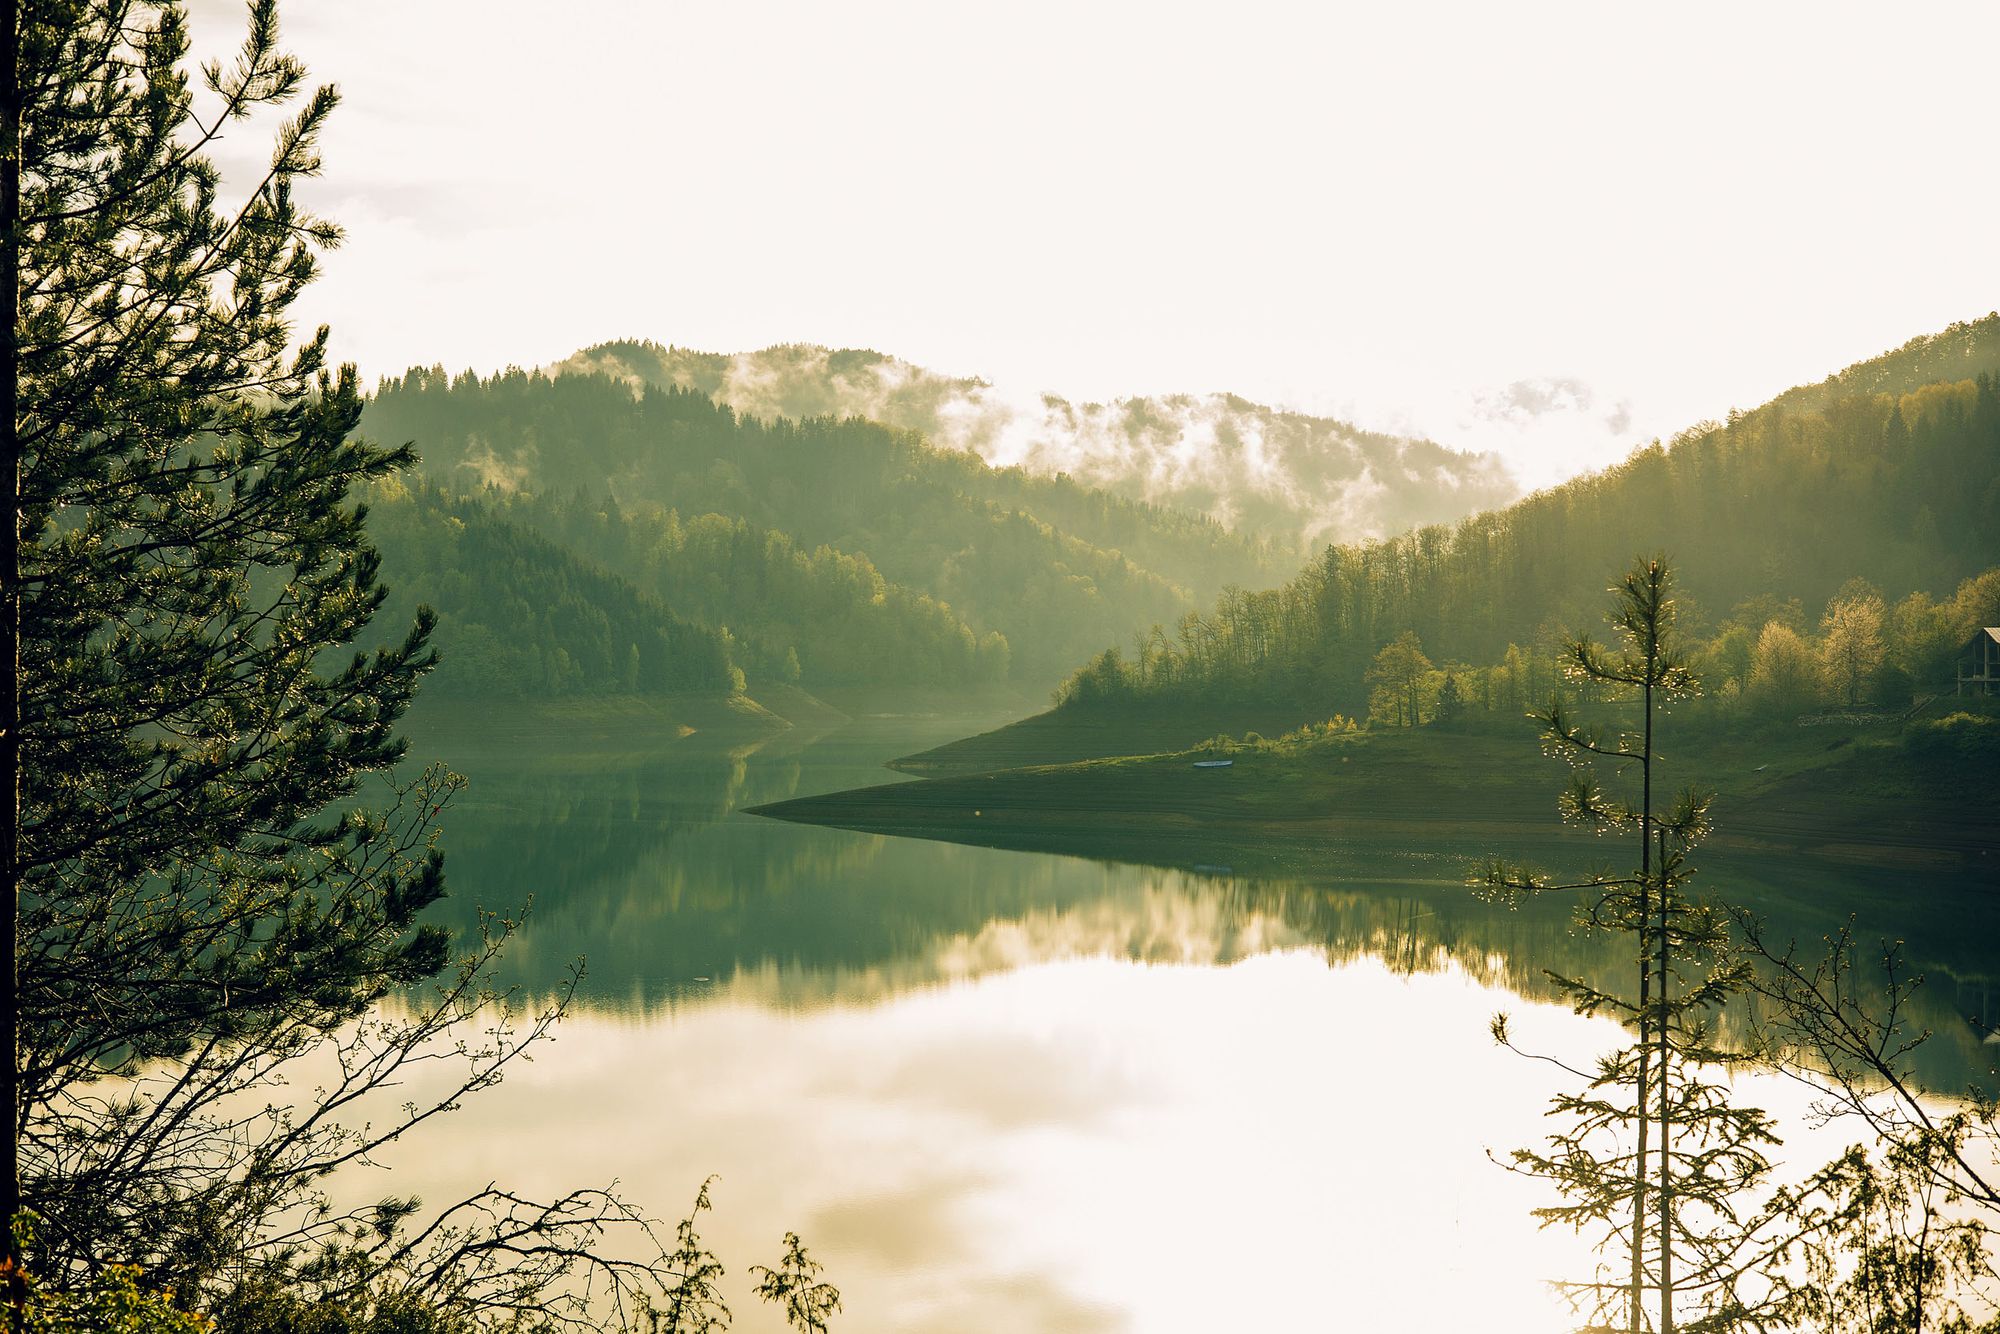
(1551, 229)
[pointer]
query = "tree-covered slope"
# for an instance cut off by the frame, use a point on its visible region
(1258, 469)
(1049, 564)
(520, 616)
(1960, 352)
(818, 617)
(1877, 484)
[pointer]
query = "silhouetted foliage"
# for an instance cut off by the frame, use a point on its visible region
(202, 904)
(1652, 1158)
(1899, 1230)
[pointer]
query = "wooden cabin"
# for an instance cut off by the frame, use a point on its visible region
(1979, 663)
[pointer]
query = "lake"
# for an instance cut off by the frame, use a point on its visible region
(1000, 1091)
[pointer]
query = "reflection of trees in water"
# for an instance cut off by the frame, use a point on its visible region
(523, 827)
(642, 868)
(1421, 932)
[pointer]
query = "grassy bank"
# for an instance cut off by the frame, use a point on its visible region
(1089, 734)
(1851, 797)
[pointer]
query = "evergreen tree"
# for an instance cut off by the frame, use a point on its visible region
(1450, 703)
(1653, 1160)
(189, 574)
(186, 556)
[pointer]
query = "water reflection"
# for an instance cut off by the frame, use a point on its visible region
(642, 862)
(1004, 1091)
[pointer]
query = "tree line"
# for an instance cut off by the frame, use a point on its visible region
(560, 596)
(1768, 660)
(1044, 562)
(1880, 502)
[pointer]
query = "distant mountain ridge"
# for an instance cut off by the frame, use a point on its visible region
(1289, 476)
(1882, 479)
(871, 554)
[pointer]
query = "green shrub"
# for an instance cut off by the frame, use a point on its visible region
(1963, 744)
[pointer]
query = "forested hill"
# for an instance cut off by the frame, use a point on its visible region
(520, 616)
(1961, 352)
(1047, 563)
(1881, 484)
(528, 603)
(819, 618)
(1256, 468)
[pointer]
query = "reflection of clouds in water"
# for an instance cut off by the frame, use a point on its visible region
(1090, 1144)
(1087, 1145)
(1024, 1302)
(919, 1232)
(1000, 1083)
(891, 1226)
(1033, 910)
(679, 904)
(996, 1091)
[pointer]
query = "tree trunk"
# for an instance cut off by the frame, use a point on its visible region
(1666, 1201)
(1637, 1313)
(10, 636)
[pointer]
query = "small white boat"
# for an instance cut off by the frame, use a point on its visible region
(1213, 764)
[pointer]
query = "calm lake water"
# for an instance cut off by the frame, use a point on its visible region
(1000, 1091)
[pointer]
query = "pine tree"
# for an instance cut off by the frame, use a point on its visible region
(1450, 704)
(1653, 1160)
(197, 902)
(187, 560)
(796, 1288)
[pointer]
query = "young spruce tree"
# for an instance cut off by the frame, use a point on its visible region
(1653, 1162)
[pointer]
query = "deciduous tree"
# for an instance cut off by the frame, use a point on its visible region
(1399, 671)
(1851, 645)
(1784, 673)
(1907, 1217)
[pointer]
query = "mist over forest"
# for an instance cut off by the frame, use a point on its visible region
(1257, 469)
(728, 510)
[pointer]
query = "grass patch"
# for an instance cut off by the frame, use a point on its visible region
(1313, 799)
